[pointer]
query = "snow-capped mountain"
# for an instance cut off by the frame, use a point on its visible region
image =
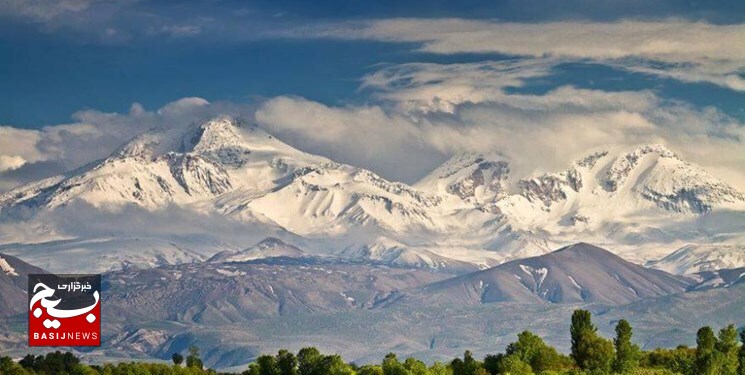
(722, 278)
(167, 167)
(473, 178)
(13, 284)
(213, 187)
(691, 258)
(573, 274)
(268, 248)
(399, 254)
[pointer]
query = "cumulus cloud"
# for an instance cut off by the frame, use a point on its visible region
(429, 111)
(695, 51)
(11, 162)
(19, 142)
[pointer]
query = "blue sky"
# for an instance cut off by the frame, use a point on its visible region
(52, 67)
(72, 70)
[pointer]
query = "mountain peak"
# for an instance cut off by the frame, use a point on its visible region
(270, 247)
(13, 283)
(473, 177)
(573, 274)
(625, 164)
(583, 247)
(463, 160)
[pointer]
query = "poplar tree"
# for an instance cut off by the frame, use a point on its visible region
(627, 354)
(726, 348)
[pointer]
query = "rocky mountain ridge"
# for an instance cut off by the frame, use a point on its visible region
(645, 202)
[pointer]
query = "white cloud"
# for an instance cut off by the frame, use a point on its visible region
(671, 41)
(431, 110)
(698, 51)
(365, 136)
(11, 162)
(442, 87)
(20, 142)
(419, 86)
(183, 106)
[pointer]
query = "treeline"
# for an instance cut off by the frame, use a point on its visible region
(715, 354)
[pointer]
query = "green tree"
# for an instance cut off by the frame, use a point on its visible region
(531, 349)
(589, 351)
(726, 347)
(513, 365)
(193, 360)
(439, 368)
(267, 365)
(627, 353)
(391, 365)
(51, 363)
(467, 366)
(493, 363)
(286, 362)
(597, 352)
(253, 369)
(335, 365)
(309, 361)
(370, 370)
(177, 359)
(527, 346)
(708, 361)
(581, 329)
(679, 360)
(8, 367)
(29, 361)
(81, 369)
(416, 367)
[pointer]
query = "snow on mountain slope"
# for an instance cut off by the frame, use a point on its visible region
(13, 283)
(396, 253)
(169, 167)
(473, 178)
(603, 187)
(268, 248)
(640, 201)
(96, 255)
(644, 202)
(229, 168)
(722, 278)
(692, 258)
(328, 200)
(576, 273)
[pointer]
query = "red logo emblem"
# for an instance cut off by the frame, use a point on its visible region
(64, 310)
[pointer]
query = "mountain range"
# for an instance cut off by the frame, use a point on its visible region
(235, 309)
(179, 196)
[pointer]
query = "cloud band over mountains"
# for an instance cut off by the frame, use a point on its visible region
(421, 114)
